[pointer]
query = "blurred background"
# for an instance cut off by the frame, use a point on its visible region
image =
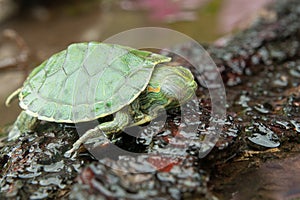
(32, 30)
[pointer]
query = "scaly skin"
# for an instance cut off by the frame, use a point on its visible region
(23, 124)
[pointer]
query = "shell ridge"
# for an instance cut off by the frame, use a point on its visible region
(63, 65)
(64, 81)
(89, 100)
(111, 55)
(76, 89)
(80, 66)
(46, 72)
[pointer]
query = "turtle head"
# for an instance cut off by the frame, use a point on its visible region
(168, 87)
(178, 84)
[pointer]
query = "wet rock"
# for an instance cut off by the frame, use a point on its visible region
(110, 179)
(164, 170)
(28, 169)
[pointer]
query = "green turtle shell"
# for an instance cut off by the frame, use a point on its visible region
(87, 81)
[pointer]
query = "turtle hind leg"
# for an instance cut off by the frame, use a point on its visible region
(23, 124)
(121, 120)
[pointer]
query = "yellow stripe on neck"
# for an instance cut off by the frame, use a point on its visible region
(152, 89)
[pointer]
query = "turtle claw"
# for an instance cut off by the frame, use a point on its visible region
(68, 154)
(72, 153)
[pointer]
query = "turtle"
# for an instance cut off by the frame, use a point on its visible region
(91, 80)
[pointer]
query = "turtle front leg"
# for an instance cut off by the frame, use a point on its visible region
(121, 120)
(153, 112)
(23, 124)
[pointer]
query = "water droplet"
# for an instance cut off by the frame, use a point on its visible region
(260, 108)
(263, 136)
(243, 101)
(296, 125)
(264, 140)
(284, 124)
